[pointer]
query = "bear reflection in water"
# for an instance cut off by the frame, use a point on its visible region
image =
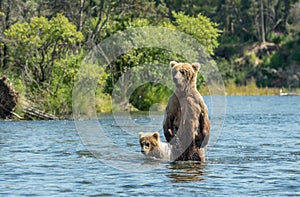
(186, 171)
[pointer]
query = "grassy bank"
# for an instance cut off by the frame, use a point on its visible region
(251, 89)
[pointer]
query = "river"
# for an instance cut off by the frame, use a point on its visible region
(256, 154)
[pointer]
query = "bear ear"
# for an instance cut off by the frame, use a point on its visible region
(172, 63)
(196, 66)
(141, 134)
(156, 135)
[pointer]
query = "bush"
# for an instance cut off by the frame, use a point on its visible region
(276, 37)
(274, 60)
(44, 53)
(252, 59)
(148, 95)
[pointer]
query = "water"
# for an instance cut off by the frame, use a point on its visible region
(257, 153)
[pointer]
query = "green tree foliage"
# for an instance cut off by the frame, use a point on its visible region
(44, 41)
(42, 52)
(37, 45)
(201, 28)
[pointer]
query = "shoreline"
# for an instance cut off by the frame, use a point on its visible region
(13, 118)
(252, 90)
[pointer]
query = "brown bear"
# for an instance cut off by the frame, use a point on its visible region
(153, 147)
(186, 115)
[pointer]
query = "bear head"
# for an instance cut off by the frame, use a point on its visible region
(149, 142)
(184, 74)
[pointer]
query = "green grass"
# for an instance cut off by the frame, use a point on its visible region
(251, 89)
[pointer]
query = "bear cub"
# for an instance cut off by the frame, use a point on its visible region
(153, 147)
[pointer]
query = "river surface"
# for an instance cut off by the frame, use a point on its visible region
(256, 154)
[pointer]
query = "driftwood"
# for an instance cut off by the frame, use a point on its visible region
(8, 99)
(39, 114)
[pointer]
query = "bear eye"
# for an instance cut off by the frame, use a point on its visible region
(147, 144)
(182, 72)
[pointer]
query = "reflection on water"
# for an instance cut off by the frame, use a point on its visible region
(187, 172)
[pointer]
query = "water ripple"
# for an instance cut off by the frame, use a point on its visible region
(257, 154)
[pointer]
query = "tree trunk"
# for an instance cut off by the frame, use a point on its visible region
(80, 23)
(262, 24)
(287, 7)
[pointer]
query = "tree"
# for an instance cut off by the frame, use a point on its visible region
(200, 27)
(11, 11)
(38, 46)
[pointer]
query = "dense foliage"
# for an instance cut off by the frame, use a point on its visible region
(42, 44)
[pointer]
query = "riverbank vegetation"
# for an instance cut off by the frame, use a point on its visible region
(255, 45)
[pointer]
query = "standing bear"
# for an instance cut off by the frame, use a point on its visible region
(186, 123)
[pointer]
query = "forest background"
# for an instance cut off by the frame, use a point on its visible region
(256, 45)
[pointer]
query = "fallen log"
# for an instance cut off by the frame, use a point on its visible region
(39, 114)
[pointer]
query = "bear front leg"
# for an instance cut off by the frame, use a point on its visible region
(167, 128)
(202, 135)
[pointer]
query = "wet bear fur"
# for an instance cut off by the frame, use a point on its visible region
(153, 147)
(186, 115)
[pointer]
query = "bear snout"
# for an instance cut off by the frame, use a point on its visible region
(146, 153)
(175, 80)
(176, 77)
